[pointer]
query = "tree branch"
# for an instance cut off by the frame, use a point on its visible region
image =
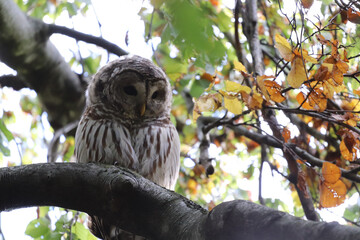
(12, 81)
(264, 139)
(132, 203)
(111, 47)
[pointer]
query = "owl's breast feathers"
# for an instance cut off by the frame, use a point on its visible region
(151, 148)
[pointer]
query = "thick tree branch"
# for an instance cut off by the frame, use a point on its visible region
(132, 202)
(25, 49)
(111, 47)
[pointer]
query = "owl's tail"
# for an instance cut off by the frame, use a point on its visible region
(103, 230)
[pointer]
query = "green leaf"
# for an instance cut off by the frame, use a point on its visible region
(38, 228)
(71, 8)
(5, 131)
(352, 213)
(197, 87)
(91, 64)
(81, 232)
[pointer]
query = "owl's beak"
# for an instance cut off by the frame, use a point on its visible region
(142, 109)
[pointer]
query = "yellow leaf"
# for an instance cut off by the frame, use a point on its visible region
(235, 87)
(196, 115)
(308, 58)
(232, 104)
(329, 66)
(297, 74)
(284, 48)
(330, 172)
(209, 102)
(239, 66)
(192, 186)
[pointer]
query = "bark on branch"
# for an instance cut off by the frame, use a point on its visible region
(24, 48)
(132, 202)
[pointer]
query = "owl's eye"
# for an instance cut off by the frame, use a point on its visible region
(158, 95)
(155, 94)
(130, 90)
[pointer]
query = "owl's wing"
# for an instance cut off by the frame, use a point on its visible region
(105, 142)
(158, 151)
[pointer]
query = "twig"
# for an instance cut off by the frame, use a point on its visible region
(52, 148)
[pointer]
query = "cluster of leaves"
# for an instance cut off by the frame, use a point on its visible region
(67, 226)
(313, 73)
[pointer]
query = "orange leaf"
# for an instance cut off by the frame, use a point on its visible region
(330, 172)
(274, 89)
(286, 134)
(357, 92)
(307, 3)
(322, 39)
(300, 98)
(345, 152)
(353, 16)
(261, 83)
(332, 195)
(208, 76)
(297, 74)
(215, 3)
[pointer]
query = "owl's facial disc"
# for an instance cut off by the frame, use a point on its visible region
(129, 94)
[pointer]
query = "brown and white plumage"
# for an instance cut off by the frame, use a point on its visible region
(127, 123)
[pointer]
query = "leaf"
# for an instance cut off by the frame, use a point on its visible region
(209, 102)
(353, 16)
(5, 131)
(286, 134)
(300, 98)
(307, 57)
(239, 66)
(232, 104)
(330, 172)
(274, 89)
(38, 227)
(347, 153)
(297, 74)
(307, 3)
(284, 48)
(192, 185)
(261, 84)
(357, 92)
(253, 100)
(332, 195)
(235, 87)
(81, 232)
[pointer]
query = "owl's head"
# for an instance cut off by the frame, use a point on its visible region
(131, 87)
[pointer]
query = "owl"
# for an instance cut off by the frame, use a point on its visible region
(127, 123)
